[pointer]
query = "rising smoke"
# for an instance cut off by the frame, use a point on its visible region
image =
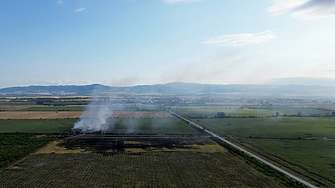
(95, 116)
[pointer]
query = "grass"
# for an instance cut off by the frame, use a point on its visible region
(37, 125)
(293, 139)
(121, 125)
(309, 152)
(56, 108)
(17, 103)
(262, 111)
(151, 126)
(289, 127)
(316, 156)
(14, 146)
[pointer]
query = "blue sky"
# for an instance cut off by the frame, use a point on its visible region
(131, 42)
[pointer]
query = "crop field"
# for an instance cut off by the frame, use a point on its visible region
(40, 114)
(150, 126)
(36, 125)
(180, 162)
(120, 126)
(289, 127)
(55, 108)
(140, 114)
(4, 108)
(238, 111)
(14, 146)
(316, 156)
(77, 114)
(306, 142)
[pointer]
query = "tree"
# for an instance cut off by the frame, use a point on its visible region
(299, 114)
(333, 114)
(220, 115)
(277, 114)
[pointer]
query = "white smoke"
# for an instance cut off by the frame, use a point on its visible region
(96, 115)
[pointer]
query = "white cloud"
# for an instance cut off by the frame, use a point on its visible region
(241, 39)
(178, 1)
(124, 81)
(60, 2)
(80, 9)
(57, 82)
(306, 9)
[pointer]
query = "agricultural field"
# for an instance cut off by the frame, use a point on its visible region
(150, 126)
(281, 127)
(246, 111)
(129, 162)
(315, 156)
(14, 146)
(306, 142)
(36, 125)
(162, 152)
(40, 114)
(120, 126)
(6, 108)
(54, 108)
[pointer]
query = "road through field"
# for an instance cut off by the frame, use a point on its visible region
(247, 152)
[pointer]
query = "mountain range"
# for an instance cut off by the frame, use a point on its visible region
(177, 88)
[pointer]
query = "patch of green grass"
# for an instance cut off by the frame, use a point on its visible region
(17, 103)
(55, 108)
(290, 127)
(316, 156)
(262, 111)
(36, 125)
(151, 126)
(121, 125)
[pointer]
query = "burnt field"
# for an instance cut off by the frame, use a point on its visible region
(139, 161)
(109, 145)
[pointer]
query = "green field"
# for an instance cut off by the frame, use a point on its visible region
(151, 126)
(17, 103)
(121, 125)
(289, 127)
(295, 140)
(306, 142)
(55, 108)
(316, 156)
(14, 146)
(37, 125)
(259, 111)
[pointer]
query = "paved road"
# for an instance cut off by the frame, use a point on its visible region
(247, 152)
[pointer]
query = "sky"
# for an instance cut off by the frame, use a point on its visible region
(136, 42)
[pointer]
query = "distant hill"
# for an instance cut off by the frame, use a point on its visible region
(178, 88)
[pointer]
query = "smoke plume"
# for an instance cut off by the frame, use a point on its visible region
(95, 116)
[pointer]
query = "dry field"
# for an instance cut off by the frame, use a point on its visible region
(76, 114)
(134, 162)
(17, 107)
(40, 115)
